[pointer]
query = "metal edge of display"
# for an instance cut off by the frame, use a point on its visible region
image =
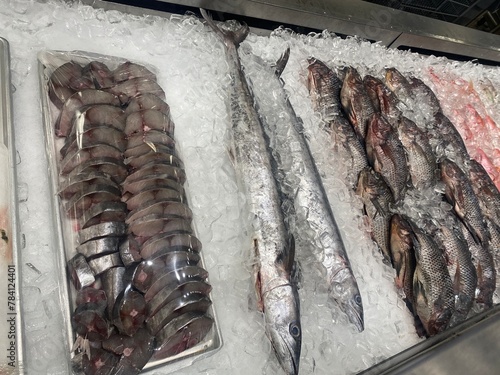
(7, 138)
(208, 346)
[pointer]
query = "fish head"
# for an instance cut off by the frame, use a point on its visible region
(400, 245)
(395, 80)
(282, 315)
(344, 291)
(372, 86)
(318, 74)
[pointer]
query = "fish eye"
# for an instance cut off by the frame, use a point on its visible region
(357, 299)
(294, 330)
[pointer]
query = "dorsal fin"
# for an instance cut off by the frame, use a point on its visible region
(282, 61)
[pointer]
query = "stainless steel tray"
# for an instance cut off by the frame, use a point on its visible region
(11, 337)
(47, 62)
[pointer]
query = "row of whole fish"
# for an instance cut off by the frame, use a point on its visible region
(141, 293)
(407, 160)
(267, 168)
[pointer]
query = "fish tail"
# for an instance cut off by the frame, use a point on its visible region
(282, 61)
(229, 37)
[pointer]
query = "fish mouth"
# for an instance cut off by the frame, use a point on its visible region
(290, 360)
(354, 312)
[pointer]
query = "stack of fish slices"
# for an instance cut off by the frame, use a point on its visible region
(141, 292)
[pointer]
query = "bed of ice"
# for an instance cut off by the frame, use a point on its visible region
(193, 72)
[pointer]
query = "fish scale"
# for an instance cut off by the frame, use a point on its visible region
(386, 155)
(377, 199)
(432, 285)
(422, 162)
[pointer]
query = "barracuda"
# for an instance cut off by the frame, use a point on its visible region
(272, 245)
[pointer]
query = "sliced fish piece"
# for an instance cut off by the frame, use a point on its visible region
(187, 303)
(62, 81)
(103, 212)
(98, 134)
(130, 251)
(93, 194)
(158, 170)
(145, 120)
(99, 362)
(151, 182)
(129, 311)
(129, 70)
(182, 333)
(135, 351)
(137, 86)
(165, 208)
(113, 228)
(175, 277)
(150, 137)
(78, 182)
(148, 271)
(74, 159)
(158, 194)
(103, 263)
(90, 324)
(151, 224)
(108, 166)
(77, 101)
(174, 291)
(168, 240)
(145, 148)
(138, 162)
(147, 101)
(113, 283)
(99, 74)
(80, 272)
(92, 296)
(99, 246)
(94, 115)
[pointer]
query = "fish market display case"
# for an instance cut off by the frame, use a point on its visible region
(189, 63)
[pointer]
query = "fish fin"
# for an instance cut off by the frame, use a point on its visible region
(258, 283)
(457, 279)
(229, 37)
(378, 207)
(281, 63)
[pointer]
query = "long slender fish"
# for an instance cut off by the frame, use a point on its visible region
(312, 208)
(272, 245)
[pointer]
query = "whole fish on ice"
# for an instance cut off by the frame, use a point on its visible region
(311, 205)
(272, 245)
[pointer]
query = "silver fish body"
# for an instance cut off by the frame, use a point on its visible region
(311, 205)
(272, 247)
(485, 190)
